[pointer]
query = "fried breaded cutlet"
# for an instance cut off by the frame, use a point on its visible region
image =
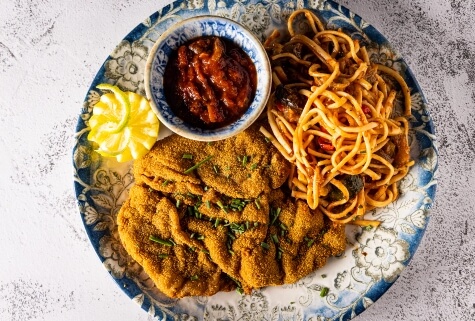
(208, 217)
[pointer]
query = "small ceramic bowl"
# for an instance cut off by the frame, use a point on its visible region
(193, 28)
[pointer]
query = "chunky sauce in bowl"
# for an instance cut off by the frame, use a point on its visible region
(209, 82)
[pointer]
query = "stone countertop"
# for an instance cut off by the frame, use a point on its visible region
(50, 51)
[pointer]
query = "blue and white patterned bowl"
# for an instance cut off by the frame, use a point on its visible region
(195, 27)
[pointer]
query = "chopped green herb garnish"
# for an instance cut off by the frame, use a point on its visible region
(253, 166)
(274, 238)
(178, 202)
(244, 160)
(200, 237)
(159, 240)
(231, 236)
(208, 205)
(324, 276)
(279, 255)
(283, 227)
(310, 242)
(165, 182)
(194, 277)
(197, 165)
(240, 291)
(368, 227)
(256, 224)
(221, 206)
(215, 168)
(205, 251)
(265, 245)
(216, 223)
(163, 256)
(267, 139)
(247, 225)
(192, 235)
(258, 204)
(187, 156)
(324, 292)
(276, 215)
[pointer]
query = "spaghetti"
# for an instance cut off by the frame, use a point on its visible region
(332, 116)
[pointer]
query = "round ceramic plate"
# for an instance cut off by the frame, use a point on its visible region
(373, 259)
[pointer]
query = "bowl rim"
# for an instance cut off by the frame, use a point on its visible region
(264, 83)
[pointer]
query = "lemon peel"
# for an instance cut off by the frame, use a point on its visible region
(123, 124)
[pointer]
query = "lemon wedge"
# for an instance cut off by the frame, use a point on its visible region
(122, 124)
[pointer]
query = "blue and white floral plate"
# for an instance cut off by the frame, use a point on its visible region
(373, 259)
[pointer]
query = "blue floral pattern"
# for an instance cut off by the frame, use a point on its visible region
(373, 260)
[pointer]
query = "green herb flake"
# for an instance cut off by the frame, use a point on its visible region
(240, 291)
(368, 228)
(197, 165)
(274, 238)
(275, 216)
(221, 206)
(216, 223)
(324, 276)
(200, 237)
(165, 182)
(258, 204)
(178, 202)
(187, 156)
(208, 205)
(160, 241)
(310, 242)
(194, 277)
(253, 166)
(324, 292)
(267, 139)
(163, 256)
(265, 245)
(244, 160)
(215, 168)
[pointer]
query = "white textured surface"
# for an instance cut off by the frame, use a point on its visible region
(50, 51)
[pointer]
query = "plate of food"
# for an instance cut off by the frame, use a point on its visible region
(309, 213)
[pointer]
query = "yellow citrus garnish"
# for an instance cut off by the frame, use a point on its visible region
(122, 124)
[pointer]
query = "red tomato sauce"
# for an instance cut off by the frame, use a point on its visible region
(209, 82)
